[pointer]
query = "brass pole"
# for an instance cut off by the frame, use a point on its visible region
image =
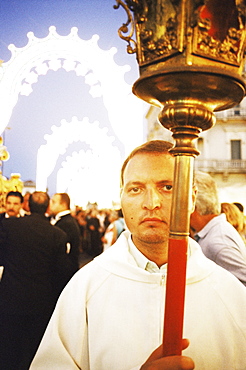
(178, 247)
(186, 122)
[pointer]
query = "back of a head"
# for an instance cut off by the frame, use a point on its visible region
(207, 200)
(233, 215)
(38, 202)
(150, 147)
(65, 200)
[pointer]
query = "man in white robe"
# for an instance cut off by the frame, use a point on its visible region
(110, 315)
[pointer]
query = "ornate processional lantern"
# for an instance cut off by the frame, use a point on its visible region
(191, 59)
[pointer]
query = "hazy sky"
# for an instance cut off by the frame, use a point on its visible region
(59, 94)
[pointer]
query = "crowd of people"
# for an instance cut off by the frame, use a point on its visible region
(42, 245)
(108, 314)
(99, 229)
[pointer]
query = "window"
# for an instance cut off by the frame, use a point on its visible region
(236, 149)
(237, 110)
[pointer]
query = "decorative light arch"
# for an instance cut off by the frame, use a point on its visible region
(79, 172)
(71, 53)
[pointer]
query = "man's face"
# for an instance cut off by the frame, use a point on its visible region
(13, 206)
(146, 198)
(55, 205)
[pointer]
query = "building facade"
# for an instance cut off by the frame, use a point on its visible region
(222, 150)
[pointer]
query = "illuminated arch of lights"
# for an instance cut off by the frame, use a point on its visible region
(88, 175)
(100, 72)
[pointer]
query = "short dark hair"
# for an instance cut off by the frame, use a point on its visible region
(150, 147)
(15, 194)
(38, 202)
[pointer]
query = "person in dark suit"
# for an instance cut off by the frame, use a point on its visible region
(35, 270)
(59, 209)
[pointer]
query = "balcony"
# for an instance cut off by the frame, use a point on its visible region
(221, 166)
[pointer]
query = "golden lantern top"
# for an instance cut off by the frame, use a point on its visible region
(187, 50)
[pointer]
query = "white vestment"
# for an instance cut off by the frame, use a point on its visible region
(110, 315)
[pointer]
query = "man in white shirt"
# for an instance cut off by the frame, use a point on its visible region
(110, 315)
(218, 239)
